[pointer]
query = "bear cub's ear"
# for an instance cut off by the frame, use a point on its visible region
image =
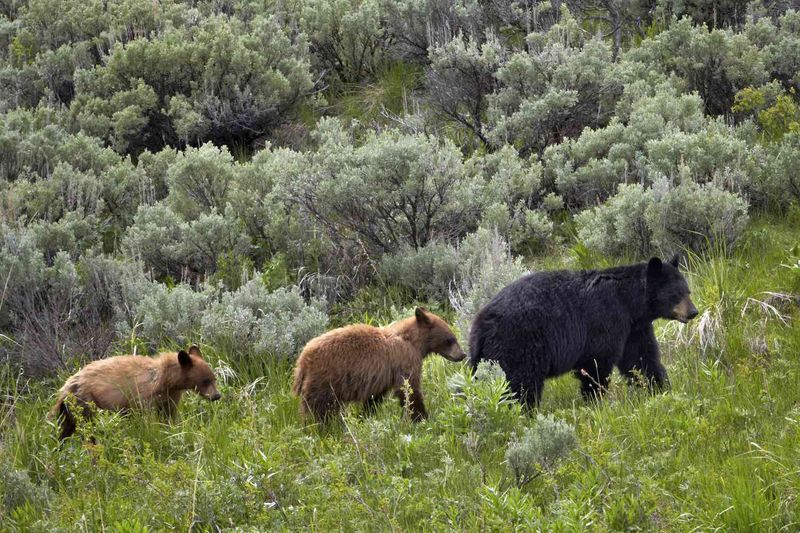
(654, 266)
(184, 359)
(195, 350)
(422, 315)
(675, 260)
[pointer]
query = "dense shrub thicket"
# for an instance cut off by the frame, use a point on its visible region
(179, 170)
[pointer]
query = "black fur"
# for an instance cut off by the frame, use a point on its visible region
(587, 322)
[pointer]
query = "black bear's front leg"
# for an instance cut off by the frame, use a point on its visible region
(595, 375)
(641, 358)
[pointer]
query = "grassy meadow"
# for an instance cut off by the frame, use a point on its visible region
(717, 452)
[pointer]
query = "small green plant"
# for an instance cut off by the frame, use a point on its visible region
(19, 491)
(539, 449)
(485, 403)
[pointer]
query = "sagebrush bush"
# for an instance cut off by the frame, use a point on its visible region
(428, 271)
(200, 179)
(254, 320)
(154, 239)
(58, 307)
(486, 266)
(394, 190)
(169, 245)
(696, 216)
(560, 84)
(619, 225)
(666, 134)
(18, 489)
(640, 221)
(346, 37)
(539, 448)
(526, 230)
(170, 315)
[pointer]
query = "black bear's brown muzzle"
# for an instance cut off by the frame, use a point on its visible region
(685, 311)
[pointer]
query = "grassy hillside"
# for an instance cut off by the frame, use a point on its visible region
(718, 451)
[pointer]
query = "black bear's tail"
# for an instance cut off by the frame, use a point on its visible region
(475, 346)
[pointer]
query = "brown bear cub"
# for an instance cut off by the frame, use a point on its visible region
(125, 381)
(361, 363)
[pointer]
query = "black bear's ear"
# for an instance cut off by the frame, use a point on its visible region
(675, 260)
(184, 359)
(195, 350)
(654, 266)
(422, 315)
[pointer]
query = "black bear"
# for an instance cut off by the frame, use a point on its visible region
(549, 323)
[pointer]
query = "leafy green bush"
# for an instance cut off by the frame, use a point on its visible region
(488, 405)
(665, 134)
(346, 37)
(560, 84)
(171, 246)
(170, 315)
(393, 190)
(221, 79)
(714, 62)
(619, 225)
(696, 217)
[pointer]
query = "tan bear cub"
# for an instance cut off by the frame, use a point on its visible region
(361, 363)
(127, 381)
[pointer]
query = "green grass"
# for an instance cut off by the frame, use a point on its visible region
(717, 452)
(391, 92)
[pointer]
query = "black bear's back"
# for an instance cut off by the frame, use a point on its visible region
(533, 322)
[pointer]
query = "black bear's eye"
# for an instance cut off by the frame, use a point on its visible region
(207, 382)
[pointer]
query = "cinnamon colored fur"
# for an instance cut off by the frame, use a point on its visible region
(361, 363)
(126, 381)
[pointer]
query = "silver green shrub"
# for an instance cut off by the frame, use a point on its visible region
(394, 190)
(200, 179)
(696, 216)
(346, 37)
(563, 81)
(428, 271)
(200, 77)
(154, 239)
(486, 266)
(18, 489)
(170, 315)
(619, 225)
(168, 245)
(514, 199)
(57, 307)
(255, 320)
(666, 134)
(664, 218)
(539, 448)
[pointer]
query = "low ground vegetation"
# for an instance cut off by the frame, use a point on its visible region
(246, 175)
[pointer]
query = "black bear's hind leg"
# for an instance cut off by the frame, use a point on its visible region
(528, 394)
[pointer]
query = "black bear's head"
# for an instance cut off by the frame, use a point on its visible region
(667, 291)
